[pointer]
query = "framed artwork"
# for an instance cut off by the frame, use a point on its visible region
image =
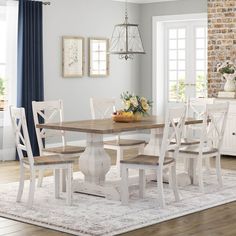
(98, 65)
(72, 57)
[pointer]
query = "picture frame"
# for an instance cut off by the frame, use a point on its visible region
(98, 61)
(72, 57)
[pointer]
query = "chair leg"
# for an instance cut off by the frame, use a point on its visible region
(208, 163)
(32, 188)
(119, 157)
(186, 164)
(40, 178)
(200, 174)
(57, 182)
(21, 184)
(173, 177)
(69, 185)
(160, 188)
(63, 180)
(141, 149)
(142, 183)
(218, 170)
(124, 185)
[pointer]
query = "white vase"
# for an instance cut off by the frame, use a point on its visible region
(230, 83)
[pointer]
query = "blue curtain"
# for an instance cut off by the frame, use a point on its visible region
(30, 86)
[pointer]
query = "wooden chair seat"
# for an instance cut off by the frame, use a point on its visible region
(48, 160)
(124, 142)
(147, 160)
(195, 150)
(187, 141)
(65, 149)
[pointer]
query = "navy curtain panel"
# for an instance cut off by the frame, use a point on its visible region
(30, 84)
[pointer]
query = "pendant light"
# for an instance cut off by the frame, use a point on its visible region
(126, 40)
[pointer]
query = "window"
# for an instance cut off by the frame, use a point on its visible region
(98, 58)
(3, 36)
(8, 52)
(186, 59)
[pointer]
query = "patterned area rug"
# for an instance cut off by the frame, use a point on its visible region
(97, 216)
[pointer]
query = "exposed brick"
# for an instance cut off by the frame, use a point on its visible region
(221, 40)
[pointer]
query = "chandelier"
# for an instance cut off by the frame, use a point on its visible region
(126, 40)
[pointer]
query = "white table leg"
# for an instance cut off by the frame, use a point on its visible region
(94, 163)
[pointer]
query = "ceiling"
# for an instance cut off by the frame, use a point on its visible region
(145, 1)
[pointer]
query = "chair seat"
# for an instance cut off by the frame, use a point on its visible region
(187, 141)
(49, 160)
(124, 142)
(147, 160)
(195, 150)
(65, 149)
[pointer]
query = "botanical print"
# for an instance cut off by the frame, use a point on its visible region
(72, 57)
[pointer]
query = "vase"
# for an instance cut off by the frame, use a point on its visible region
(230, 83)
(138, 116)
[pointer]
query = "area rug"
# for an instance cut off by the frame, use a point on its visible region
(96, 216)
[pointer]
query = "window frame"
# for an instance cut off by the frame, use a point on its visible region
(190, 61)
(107, 60)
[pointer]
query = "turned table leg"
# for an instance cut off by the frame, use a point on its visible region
(94, 162)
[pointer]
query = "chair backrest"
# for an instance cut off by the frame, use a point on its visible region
(214, 123)
(48, 112)
(21, 134)
(196, 107)
(102, 108)
(174, 123)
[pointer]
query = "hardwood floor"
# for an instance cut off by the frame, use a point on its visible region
(213, 222)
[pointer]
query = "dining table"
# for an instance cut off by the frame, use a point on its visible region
(95, 162)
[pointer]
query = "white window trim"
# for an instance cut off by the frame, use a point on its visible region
(158, 84)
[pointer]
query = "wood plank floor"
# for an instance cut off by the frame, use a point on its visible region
(213, 222)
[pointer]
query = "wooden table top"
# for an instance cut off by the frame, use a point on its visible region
(108, 126)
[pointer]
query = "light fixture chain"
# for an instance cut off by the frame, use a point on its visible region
(126, 12)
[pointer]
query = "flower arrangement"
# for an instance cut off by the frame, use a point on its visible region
(226, 68)
(135, 104)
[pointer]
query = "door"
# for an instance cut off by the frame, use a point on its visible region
(185, 57)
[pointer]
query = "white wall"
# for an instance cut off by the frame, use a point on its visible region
(86, 18)
(147, 11)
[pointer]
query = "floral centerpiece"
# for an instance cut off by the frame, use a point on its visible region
(136, 105)
(228, 70)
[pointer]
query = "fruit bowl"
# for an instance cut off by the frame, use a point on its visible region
(123, 117)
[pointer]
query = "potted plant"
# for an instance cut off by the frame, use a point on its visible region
(2, 93)
(228, 70)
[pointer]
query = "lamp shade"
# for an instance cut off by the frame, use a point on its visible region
(126, 40)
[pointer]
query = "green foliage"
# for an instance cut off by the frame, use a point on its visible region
(179, 89)
(227, 70)
(135, 104)
(2, 87)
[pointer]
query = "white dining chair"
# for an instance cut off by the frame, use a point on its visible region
(196, 108)
(211, 138)
(174, 123)
(102, 108)
(34, 164)
(48, 112)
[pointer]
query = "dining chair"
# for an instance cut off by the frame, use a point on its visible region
(174, 123)
(46, 112)
(211, 138)
(34, 164)
(196, 108)
(102, 108)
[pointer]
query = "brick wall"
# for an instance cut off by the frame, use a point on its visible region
(221, 40)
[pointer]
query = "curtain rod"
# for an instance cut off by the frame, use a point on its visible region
(44, 3)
